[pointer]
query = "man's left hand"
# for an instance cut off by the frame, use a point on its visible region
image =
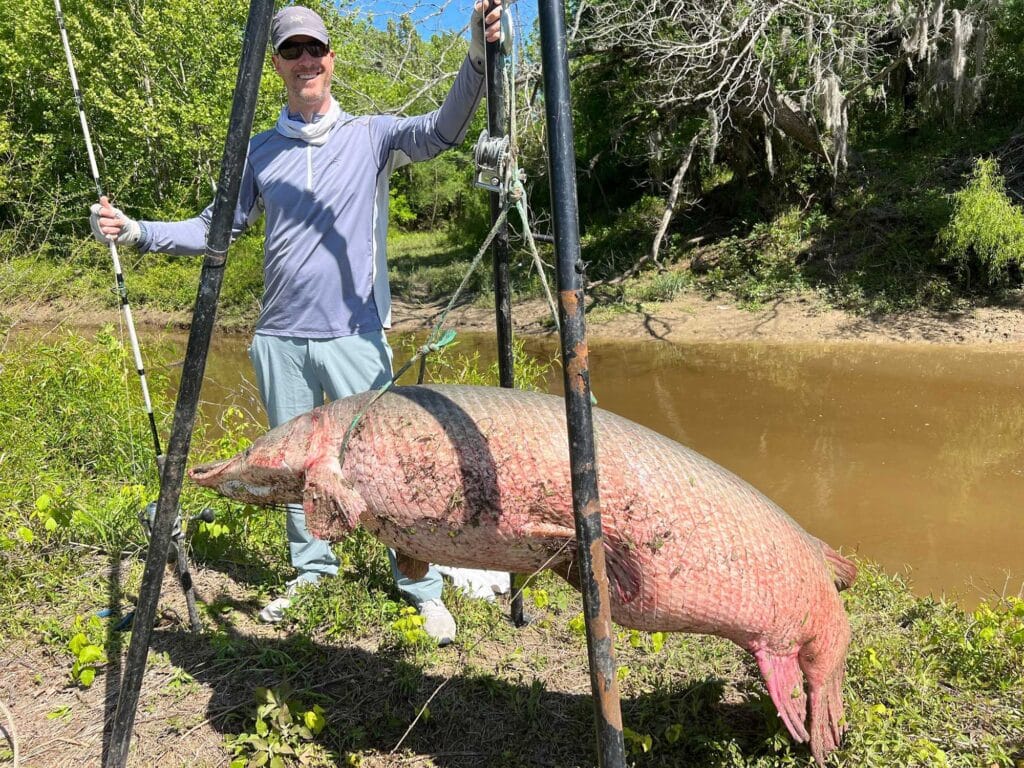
(477, 46)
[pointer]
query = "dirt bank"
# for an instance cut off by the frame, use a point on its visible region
(689, 318)
(694, 318)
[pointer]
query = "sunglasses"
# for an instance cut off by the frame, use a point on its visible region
(292, 51)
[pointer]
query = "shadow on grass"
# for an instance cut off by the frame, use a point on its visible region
(476, 719)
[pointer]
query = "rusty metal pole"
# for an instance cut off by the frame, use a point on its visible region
(576, 373)
(250, 70)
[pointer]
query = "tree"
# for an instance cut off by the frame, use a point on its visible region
(752, 80)
(157, 78)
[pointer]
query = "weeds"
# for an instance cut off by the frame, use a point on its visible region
(927, 684)
(763, 265)
(450, 365)
(409, 628)
(985, 234)
(283, 733)
(662, 286)
(89, 656)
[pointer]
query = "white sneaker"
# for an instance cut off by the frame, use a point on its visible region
(437, 621)
(275, 610)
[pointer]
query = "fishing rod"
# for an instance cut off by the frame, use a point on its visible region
(122, 292)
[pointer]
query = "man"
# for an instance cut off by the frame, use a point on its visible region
(320, 177)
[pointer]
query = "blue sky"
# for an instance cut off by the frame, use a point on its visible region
(440, 15)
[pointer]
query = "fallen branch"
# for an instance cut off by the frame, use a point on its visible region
(666, 218)
(11, 732)
(673, 198)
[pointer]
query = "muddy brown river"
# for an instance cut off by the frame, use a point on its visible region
(909, 455)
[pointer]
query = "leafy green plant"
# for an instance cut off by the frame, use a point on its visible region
(985, 234)
(181, 682)
(284, 733)
(986, 650)
(538, 596)
(409, 627)
(54, 509)
(652, 641)
(89, 656)
(578, 624)
(638, 742)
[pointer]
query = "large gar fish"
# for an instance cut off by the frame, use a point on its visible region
(479, 477)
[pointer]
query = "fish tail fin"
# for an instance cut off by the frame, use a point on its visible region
(844, 571)
(785, 683)
(826, 716)
(824, 665)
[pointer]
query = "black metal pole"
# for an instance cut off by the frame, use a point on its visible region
(576, 373)
(250, 69)
(496, 114)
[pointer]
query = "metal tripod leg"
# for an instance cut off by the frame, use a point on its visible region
(185, 579)
(179, 550)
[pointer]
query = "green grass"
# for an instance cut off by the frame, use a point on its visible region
(426, 266)
(81, 274)
(928, 684)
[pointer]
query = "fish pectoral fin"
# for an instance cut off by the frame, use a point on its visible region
(332, 505)
(624, 574)
(844, 571)
(542, 530)
(410, 567)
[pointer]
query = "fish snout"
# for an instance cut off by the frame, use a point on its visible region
(210, 474)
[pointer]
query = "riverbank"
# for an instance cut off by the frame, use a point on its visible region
(927, 682)
(690, 317)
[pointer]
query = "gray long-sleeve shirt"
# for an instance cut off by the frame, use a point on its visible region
(326, 208)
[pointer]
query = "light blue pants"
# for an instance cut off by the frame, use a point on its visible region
(294, 375)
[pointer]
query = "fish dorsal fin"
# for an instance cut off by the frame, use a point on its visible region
(844, 571)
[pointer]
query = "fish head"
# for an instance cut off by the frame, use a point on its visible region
(270, 471)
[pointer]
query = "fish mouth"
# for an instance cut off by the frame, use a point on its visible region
(208, 474)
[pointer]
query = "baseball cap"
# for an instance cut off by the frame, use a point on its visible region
(297, 20)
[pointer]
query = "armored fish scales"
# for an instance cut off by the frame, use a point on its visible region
(479, 477)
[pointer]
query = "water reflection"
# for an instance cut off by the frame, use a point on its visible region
(913, 456)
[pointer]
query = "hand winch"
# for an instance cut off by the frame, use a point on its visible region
(493, 163)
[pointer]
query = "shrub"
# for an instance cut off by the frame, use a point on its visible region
(611, 248)
(985, 234)
(77, 452)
